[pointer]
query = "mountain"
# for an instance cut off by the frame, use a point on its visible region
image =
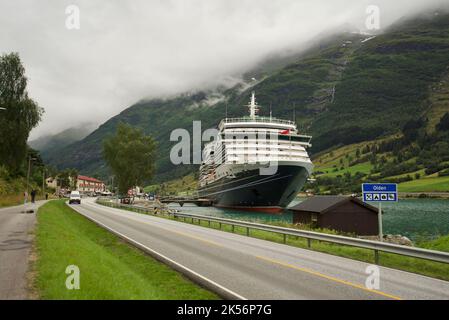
(52, 143)
(355, 88)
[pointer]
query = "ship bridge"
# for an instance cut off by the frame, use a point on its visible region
(257, 122)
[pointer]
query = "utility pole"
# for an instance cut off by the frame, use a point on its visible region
(28, 173)
(43, 182)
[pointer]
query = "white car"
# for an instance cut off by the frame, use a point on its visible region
(75, 197)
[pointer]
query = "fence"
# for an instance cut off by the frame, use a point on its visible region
(376, 246)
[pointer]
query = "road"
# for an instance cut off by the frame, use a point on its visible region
(15, 244)
(251, 268)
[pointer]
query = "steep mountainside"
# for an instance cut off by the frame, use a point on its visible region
(52, 143)
(348, 91)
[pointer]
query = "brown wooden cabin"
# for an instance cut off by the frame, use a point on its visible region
(340, 213)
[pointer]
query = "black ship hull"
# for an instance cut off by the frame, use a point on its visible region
(249, 190)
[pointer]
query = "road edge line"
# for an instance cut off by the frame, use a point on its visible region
(189, 273)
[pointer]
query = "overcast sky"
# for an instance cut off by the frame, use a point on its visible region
(128, 50)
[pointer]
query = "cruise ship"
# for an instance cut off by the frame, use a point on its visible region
(255, 163)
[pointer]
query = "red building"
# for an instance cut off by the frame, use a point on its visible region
(88, 184)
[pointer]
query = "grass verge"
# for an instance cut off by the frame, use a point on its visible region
(428, 268)
(109, 268)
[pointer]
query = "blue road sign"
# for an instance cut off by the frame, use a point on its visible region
(380, 192)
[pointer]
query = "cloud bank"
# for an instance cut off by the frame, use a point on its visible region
(126, 51)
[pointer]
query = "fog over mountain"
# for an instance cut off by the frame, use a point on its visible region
(124, 52)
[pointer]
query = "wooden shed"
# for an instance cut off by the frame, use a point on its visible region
(347, 214)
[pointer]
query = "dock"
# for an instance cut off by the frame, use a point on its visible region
(200, 202)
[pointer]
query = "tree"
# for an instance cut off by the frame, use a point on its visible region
(73, 174)
(130, 155)
(21, 113)
(64, 179)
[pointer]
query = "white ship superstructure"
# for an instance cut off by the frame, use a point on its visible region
(250, 156)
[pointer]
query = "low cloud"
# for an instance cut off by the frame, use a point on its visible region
(126, 51)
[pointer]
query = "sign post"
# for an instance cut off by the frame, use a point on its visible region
(379, 218)
(380, 192)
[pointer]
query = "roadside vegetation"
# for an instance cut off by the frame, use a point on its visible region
(419, 266)
(19, 114)
(109, 267)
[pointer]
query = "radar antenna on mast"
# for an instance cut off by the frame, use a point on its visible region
(253, 107)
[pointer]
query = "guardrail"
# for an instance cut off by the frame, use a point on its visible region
(376, 246)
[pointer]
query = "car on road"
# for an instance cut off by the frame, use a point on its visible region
(75, 197)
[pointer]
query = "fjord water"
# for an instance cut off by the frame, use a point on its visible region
(417, 219)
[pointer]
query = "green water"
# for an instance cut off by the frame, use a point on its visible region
(417, 219)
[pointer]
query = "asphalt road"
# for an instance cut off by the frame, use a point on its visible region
(15, 244)
(256, 269)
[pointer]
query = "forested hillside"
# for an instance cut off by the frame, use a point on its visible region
(354, 89)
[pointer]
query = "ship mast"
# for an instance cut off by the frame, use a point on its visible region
(253, 107)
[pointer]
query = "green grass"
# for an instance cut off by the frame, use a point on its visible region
(419, 266)
(421, 172)
(360, 167)
(109, 267)
(441, 244)
(431, 184)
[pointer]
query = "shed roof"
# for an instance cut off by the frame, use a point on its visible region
(321, 204)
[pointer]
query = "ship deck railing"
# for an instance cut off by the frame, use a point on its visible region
(259, 119)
